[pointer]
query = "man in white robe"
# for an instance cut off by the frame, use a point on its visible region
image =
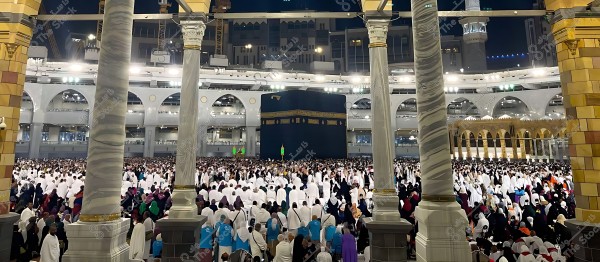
(257, 242)
(305, 213)
(149, 227)
(24, 220)
(312, 192)
(324, 256)
(293, 196)
(283, 250)
(50, 250)
(137, 242)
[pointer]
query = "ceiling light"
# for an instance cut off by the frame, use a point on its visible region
(539, 72)
(452, 79)
(355, 80)
(75, 67)
(134, 70)
(320, 78)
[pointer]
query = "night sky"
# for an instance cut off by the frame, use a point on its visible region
(506, 35)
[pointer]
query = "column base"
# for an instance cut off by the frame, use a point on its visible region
(7, 222)
(388, 239)
(184, 204)
(442, 235)
(97, 242)
(586, 241)
(181, 238)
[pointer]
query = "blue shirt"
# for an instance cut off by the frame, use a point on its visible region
(329, 232)
(315, 230)
(239, 244)
(272, 233)
(336, 246)
(224, 237)
(303, 231)
(157, 248)
(206, 240)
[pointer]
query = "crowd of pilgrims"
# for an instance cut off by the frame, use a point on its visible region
(298, 211)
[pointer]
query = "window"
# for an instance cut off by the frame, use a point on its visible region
(363, 139)
(321, 26)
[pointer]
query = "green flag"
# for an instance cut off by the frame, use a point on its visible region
(282, 150)
(234, 150)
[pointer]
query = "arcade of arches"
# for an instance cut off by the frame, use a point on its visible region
(509, 139)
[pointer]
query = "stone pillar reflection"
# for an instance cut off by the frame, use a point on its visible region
(442, 222)
(486, 154)
(535, 149)
(452, 137)
(459, 142)
(250, 141)
(503, 147)
(149, 140)
(35, 140)
(386, 207)
(468, 141)
(543, 142)
(522, 146)
(550, 149)
(101, 211)
(201, 140)
(184, 193)
(513, 144)
(477, 147)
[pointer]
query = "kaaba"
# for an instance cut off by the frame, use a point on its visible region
(302, 125)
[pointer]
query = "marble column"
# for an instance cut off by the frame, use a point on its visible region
(250, 141)
(387, 230)
(100, 233)
(35, 140)
(149, 140)
(182, 227)
(382, 133)
(442, 222)
(184, 194)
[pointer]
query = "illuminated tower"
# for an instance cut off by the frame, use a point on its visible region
(474, 38)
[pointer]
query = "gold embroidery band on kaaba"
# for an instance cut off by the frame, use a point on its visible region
(306, 113)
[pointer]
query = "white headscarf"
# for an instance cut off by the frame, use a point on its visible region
(243, 233)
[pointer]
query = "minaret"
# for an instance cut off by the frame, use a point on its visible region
(474, 38)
